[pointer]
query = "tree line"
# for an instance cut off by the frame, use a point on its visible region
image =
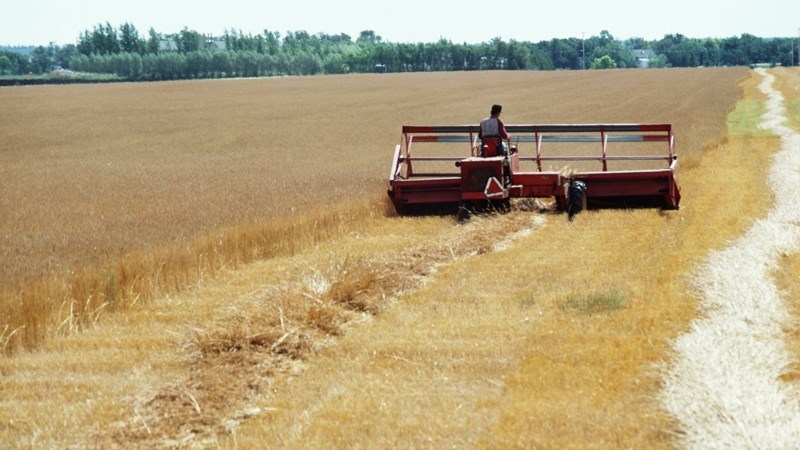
(188, 54)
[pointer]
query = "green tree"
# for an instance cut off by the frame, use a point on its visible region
(754, 50)
(305, 63)
(680, 51)
(635, 43)
(127, 65)
(301, 53)
(42, 59)
(334, 64)
(63, 55)
(103, 39)
(273, 42)
(221, 63)
(785, 51)
(472, 58)
(519, 56)
(245, 63)
(79, 63)
(129, 40)
(368, 37)
(605, 44)
(198, 64)
(658, 62)
(385, 54)
(603, 62)
(189, 40)
(153, 41)
(261, 44)
(85, 43)
(540, 57)
(711, 54)
(499, 53)
(236, 41)
(566, 53)
(406, 55)
(6, 66)
(171, 66)
(150, 67)
(458, 56)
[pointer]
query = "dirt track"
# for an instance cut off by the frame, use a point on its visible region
(724, 384)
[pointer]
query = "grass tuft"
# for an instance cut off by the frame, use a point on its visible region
(595, 303)
(527, 301)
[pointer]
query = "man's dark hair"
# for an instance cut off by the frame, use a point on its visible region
(496, 109)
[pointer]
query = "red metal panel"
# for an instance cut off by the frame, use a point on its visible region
(422, 198)
(653, 186)
(656, 127)
(476, 171)
(655, 138)
(536, 184)
(545, 128)
(423, 183)
(421, 191)
(415, 129)
(426, 138)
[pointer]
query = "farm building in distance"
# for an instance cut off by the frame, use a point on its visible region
(643, 58)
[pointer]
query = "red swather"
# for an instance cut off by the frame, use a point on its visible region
(445, 171)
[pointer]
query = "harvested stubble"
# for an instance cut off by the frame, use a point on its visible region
(788, 82)
(235, 358)
(788, 274)
(499, 363)
(789, 283)
(90, 175)
(451, 365)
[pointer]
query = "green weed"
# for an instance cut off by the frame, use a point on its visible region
(594, 303)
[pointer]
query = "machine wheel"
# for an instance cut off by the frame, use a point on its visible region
(576, 193)
(464, 211)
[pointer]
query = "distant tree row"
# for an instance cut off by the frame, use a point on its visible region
(189, 54)
(40, 60)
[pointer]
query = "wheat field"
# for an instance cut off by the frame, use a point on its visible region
(291, 294)
(130, 190)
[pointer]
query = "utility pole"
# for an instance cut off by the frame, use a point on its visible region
(583, 52)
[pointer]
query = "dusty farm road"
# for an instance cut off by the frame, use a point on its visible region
(724, 385)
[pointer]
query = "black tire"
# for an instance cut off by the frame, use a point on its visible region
(576, 191)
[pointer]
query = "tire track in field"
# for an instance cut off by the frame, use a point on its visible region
(723, 385)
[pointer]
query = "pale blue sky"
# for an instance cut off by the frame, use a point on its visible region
(38, 22)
